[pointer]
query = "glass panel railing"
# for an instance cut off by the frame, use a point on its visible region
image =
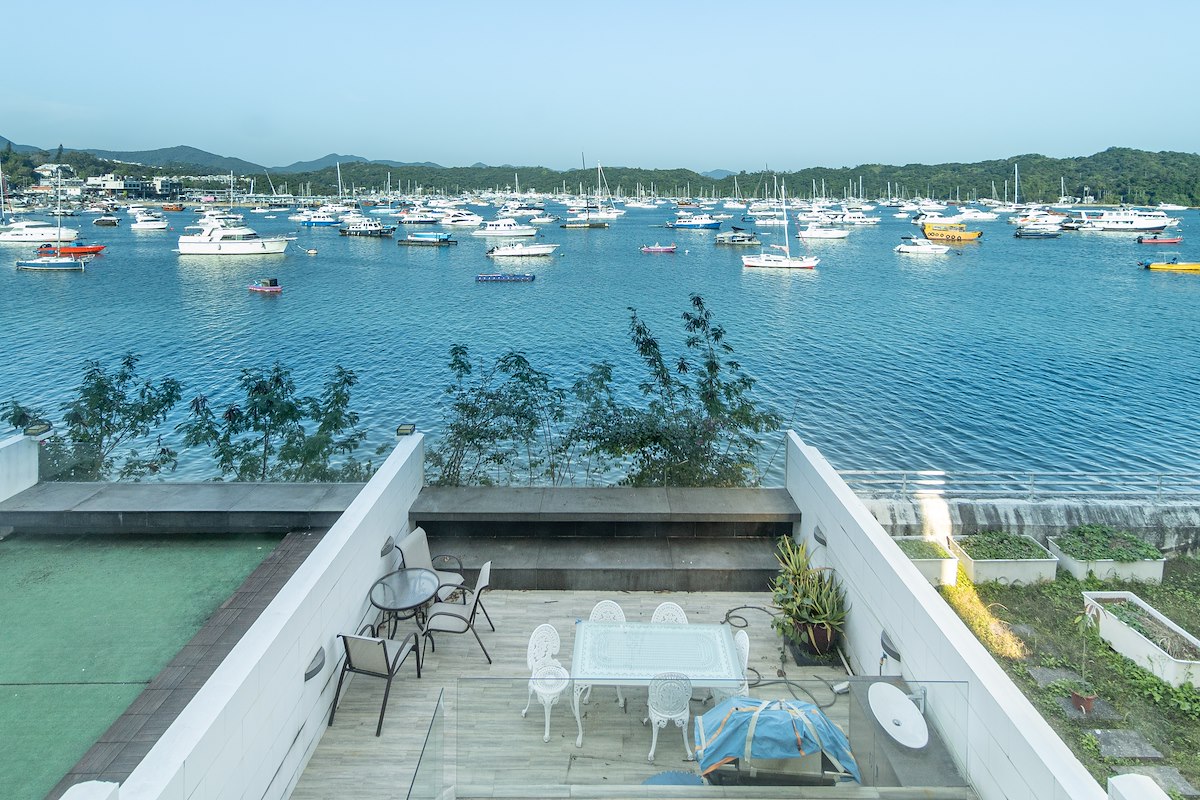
(499, 748)
(429, 779)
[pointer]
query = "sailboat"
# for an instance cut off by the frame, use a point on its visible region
(767, 260)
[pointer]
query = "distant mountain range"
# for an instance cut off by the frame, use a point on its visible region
(185, 156)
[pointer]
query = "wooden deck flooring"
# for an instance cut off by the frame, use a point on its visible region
(488, 748)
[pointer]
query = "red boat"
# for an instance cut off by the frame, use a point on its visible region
(266, 286)
(69, 249)
(1156, 239)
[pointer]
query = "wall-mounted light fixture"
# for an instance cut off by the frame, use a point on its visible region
(889, 647)
(819, 534)
(406, 429)
(316, 665)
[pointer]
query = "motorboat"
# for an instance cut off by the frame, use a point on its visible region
(222, 240)
(427, 239)
(914, 246)
(737, 236)
(172, 206)
(505, 277)
(367, 227)
(462, 219)
(148, 221)
(814, 231)
(1122, 219)
(319, 219)
(949, 232)
(1156, 239)
(1038, 232)
(36, 231)
(69, 250)
(1174, 265)
(696, 222)
(505, 226)
(659, 248)
(521, 249)
(107, 221)
(1170, 207)
(544, 219)
(52, 264)
(266, 286)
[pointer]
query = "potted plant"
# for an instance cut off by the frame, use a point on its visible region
(811, 600)
(1107, 553)
(930, 558)
(1083, 694)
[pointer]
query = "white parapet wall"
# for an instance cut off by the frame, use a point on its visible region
(252, 727)
(18, 464)
(1000, 742)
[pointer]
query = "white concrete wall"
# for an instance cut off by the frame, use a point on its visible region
(18, 464)
(250, 730)
(1005, 748)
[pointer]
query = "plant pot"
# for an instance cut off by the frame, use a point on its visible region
(1083, 702)
(938, 571)
(804, 657)
(1007, 571)
(1135, 646)
(1146, 569)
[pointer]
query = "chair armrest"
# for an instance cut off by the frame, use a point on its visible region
(407, 645)
(451, 560)
(370, 629)
(455, 587)
(396, 547)
(445, 613)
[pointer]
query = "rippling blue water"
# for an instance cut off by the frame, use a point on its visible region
(1005, 354)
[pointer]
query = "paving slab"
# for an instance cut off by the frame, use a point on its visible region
(1044, 676)
(733, 505)
(1102, 711)
(57, 496)
(1169, 779)
(1124, 744)
(602, 505)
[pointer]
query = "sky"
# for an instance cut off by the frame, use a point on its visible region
(658, 83)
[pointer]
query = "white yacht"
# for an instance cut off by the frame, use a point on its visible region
(462, 219)
(915, 246)
(37, 231)
(1122, 219)
(148, 221)
(522, 249)
(815, 231)
(219, 240)
(505, 226)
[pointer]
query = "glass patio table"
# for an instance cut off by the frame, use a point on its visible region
(632, 653)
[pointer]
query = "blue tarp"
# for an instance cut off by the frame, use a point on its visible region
(776, 729)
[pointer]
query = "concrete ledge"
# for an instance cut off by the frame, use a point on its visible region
(163, 508)
(744, 564)
(600, 512)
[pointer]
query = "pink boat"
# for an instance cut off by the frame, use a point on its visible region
(658, 248)
(266, 286)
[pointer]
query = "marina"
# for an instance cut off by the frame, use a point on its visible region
(885, 360)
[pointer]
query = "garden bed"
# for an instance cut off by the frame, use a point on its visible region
(1107, 553)
(929, 557)
(1145, 636)
(1005, 558)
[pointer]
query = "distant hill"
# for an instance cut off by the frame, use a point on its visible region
(717, 174)
(182, 155)
(20, 148)
(333, 159)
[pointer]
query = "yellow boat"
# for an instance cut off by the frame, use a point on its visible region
(1174, 265)
(949, 232)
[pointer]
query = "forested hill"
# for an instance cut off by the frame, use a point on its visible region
(1114, 176)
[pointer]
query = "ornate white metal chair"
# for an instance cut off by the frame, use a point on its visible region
(548, 677)
(741, 641)
(606, 611)
(459, 617)
(670, 696)
(381, 658)
(670, 613)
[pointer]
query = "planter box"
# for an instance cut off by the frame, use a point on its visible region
(1148, 570)
(1015, 572)
(1136, 647)
(938, 571)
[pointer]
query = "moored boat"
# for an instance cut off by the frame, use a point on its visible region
(521, 249)
(367, 227)
(505, 226)
(1037, 232)
(914, 246)
(1156, 239)
(36, 230)
(427, 239)
(659, 248)
(53, 264)
(266, 286)
(172, 206)
(69, 249)
(949, 232)
(737, 236)
(220, 240)
(815, 231)
(696, 222)
(107, 221)
(504, 277)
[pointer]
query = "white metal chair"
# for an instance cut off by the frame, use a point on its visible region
(606, 611)
(670, 613)
(741, 641)
(548, 677)
(459, 617)
(381, 658)
(670, 696)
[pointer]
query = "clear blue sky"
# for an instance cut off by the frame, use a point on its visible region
(655, 83)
